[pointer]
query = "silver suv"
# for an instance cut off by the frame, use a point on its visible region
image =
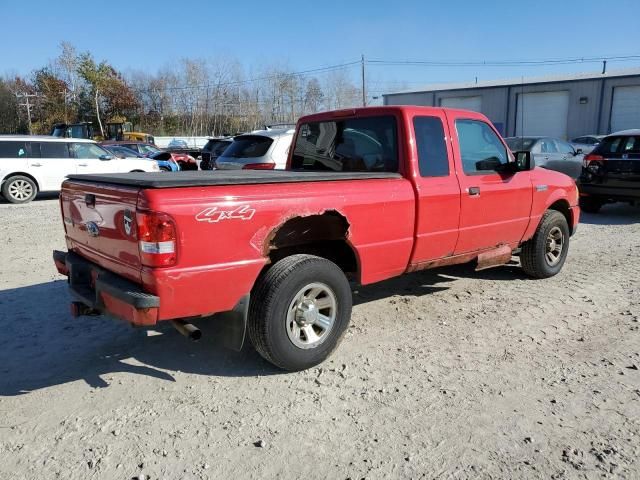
(258, 150)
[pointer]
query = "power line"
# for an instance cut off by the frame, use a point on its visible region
(499, 63)
(301, 73)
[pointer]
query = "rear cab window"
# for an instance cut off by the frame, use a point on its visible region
(365, 144)
(433, 159)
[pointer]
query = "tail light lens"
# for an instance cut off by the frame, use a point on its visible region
(259, 166)
(593, 163)
(157, 239)
(592, 157)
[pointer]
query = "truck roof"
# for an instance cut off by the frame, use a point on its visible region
(224, 177)
(383, 110)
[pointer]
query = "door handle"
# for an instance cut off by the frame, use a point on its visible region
(474, 191)
(82, 165)
(36, 164)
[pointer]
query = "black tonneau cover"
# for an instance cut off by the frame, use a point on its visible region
(223, 177)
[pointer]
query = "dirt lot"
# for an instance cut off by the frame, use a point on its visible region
(446, 374)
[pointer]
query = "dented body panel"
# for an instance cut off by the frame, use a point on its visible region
(229, 227)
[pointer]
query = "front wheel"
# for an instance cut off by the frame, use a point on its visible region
(19, 189)
(300, 309)
(544, 255)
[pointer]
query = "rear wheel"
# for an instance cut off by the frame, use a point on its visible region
(299, 311)
(591, 204)
(544, 255)
(19, 189)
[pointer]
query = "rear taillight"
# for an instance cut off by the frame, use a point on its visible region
(157, 239)
(259, 166)
(592, 157)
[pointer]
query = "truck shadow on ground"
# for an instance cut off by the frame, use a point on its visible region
(615, 214)
(41, 345)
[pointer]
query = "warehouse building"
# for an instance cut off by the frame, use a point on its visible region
(563, 106)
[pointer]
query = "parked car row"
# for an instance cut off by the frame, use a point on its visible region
(611, 172)
(550, 153)
(33, 164)
(605, 167)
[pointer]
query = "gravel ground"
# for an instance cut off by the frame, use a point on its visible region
(443, 374)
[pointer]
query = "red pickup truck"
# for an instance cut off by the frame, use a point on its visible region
(368, 194)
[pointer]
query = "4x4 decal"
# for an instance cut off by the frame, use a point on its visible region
(215, 214)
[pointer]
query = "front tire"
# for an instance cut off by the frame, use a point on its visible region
(299, 311)
(544, 255)
(19, 189)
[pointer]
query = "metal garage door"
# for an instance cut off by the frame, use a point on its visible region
(465, 103)
(542, 114)
(625, 109)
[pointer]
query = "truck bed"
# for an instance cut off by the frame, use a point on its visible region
(228, 177)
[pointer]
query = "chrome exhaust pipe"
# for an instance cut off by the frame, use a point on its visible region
(187, 329)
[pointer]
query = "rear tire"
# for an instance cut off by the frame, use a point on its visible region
(299, 311)
(590, 204)
(544, 255)
(19, 189)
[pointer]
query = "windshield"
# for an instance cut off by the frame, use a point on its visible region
(249, 146)
(125, 151)
(147, 149)
(353, 145)
(518, 144)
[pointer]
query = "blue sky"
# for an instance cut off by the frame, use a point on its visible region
(147, 35)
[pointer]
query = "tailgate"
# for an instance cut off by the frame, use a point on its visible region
(622, 172)
(100, 224)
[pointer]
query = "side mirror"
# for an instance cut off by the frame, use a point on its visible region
(578, 151)
(105, 157)
(524, 161)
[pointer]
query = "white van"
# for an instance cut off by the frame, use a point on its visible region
(30, 164)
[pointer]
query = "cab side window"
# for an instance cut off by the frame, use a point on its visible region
(13, 150)
(52, 149)
(433, 160)
(481, 150)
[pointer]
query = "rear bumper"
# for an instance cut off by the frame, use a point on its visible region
(95, 290)
(631, 193)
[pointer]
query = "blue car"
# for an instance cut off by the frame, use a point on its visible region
(163, 159)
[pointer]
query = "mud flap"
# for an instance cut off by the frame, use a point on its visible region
(231, 326)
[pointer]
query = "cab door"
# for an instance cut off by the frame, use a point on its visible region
(437, 189)
(494, 206)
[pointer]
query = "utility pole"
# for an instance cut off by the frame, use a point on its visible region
(364, 93)
(27, 104)
(64, 92)
(604, 67)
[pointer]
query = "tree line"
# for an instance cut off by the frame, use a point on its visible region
(191, 97)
